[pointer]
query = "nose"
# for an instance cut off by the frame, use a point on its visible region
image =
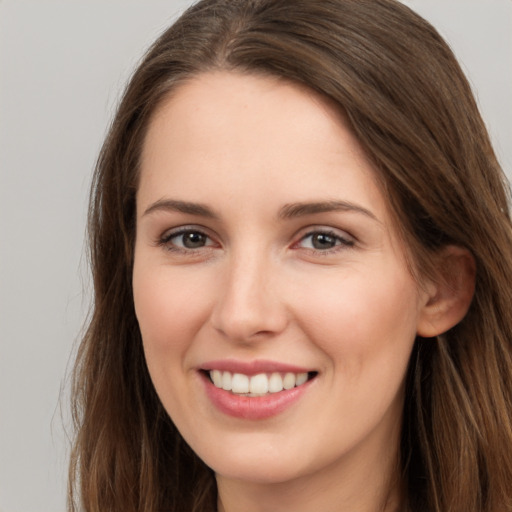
(250, 304)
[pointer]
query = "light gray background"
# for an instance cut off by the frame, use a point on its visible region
(62, 66)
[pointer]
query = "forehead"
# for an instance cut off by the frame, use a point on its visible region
(256, 141)
(220, 103)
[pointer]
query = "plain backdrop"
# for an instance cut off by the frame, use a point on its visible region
(62, 67)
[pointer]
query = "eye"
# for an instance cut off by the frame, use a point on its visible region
(190, 240)
(324, 241)
(186, 240)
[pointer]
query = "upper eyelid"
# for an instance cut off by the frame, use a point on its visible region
(337, 232)
(344, 238)
(165, 241)
(170, 232)
(165, 238)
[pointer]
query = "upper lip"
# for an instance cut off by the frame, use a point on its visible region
(252, 367)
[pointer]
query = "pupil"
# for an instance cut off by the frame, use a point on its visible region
(193, 240)
(323, 241)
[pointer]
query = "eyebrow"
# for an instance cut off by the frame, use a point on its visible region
(293, 210)
(288, 211)
(173, 205)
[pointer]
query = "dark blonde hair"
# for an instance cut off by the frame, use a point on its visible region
(413, 112)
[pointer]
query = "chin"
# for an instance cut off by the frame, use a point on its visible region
(259, 464)
(257, 473)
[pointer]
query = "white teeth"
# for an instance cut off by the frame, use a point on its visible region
(275, 383)
(289, 381)
(216, 376)
(239, 383)
(226, 381)
(259, 384)
(301, 378)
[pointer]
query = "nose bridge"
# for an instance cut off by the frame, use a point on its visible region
(249, 302)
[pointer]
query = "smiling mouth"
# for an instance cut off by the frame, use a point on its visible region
(261, 384)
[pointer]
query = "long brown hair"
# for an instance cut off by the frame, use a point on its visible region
(412, 110)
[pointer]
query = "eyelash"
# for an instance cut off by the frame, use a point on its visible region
(341, 242)
(165, 240)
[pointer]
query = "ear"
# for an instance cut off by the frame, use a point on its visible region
(449, 297)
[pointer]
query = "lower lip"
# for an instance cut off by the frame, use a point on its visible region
(253, 408)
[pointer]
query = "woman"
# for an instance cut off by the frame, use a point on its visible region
(300, 241)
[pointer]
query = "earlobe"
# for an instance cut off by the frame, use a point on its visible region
(448, 299)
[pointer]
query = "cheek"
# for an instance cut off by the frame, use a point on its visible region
(170, 308)
(364, 320)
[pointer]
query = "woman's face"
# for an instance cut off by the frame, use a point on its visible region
(266, 261)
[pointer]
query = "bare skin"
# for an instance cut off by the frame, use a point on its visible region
(263, 238)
